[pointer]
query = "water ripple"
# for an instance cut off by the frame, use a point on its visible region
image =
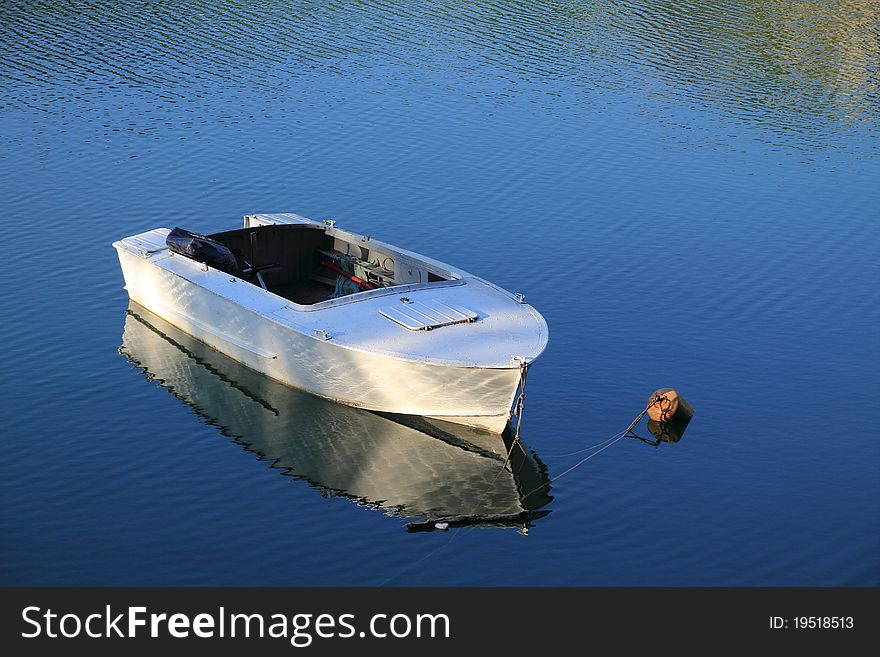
(798, 74)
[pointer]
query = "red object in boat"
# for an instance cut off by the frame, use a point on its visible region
(351, 277)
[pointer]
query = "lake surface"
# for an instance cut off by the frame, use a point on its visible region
(687, 191)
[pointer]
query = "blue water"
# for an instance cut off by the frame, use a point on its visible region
(687, 192)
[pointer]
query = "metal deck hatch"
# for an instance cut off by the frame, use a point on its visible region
(426, 315)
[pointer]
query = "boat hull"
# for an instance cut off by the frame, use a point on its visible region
(475, 396)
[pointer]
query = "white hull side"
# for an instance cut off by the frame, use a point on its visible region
(474, 396)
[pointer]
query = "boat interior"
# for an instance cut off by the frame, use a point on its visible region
(305, 264)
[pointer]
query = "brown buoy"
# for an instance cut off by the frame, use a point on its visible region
(666, 404)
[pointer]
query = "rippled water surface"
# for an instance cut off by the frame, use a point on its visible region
(687, 191)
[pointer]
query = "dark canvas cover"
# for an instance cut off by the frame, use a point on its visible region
(203, 249)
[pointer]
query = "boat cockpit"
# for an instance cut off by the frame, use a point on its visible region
(305, 263)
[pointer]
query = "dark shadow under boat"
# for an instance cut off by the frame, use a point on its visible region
(409, 467)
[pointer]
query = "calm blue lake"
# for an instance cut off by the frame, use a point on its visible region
(687, 191)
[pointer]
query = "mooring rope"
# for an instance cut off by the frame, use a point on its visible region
(623, 434)
(608, 442)
(520, 408)
(521, 400)
(581, 451)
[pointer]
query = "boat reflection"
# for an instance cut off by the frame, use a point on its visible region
(409, 467)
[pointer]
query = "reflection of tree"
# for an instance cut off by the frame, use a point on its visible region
(786, 63)
(790, 65)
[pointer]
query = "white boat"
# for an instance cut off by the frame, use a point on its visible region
(342, 316)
